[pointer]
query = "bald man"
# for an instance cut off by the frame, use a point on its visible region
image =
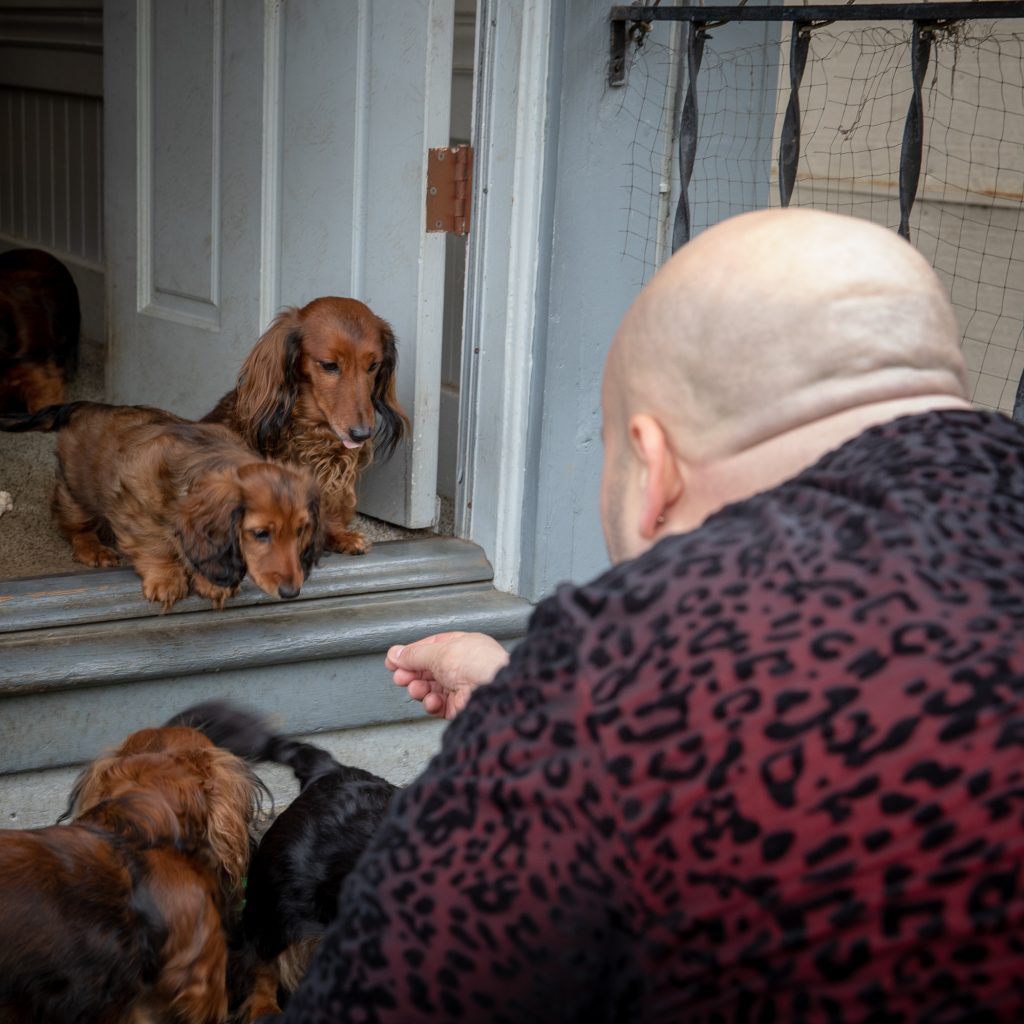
(768, 767)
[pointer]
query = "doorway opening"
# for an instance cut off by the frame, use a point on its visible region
(52, 197)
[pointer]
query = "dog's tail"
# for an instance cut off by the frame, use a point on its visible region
(250, 736)
(50, 418)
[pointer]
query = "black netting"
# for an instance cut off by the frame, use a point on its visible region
(854, 97)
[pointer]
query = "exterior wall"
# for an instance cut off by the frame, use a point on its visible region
(613, 180)
(613, 183)
(51, 129)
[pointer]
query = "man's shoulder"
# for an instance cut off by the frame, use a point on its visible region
(863, 481)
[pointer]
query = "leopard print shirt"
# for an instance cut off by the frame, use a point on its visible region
(772, 770)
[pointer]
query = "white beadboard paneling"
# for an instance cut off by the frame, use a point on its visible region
(51, 172)
(51, 130)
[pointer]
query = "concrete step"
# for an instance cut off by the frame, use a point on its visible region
(84, 660)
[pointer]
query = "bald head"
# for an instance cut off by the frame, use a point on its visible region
(773, 320)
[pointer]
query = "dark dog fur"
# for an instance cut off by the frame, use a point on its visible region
(188, 503)
(40, 321)
(302, 860)
(312, 391)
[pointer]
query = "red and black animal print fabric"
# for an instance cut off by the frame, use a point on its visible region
(769, 771)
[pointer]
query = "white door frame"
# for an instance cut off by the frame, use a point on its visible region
(507, 265)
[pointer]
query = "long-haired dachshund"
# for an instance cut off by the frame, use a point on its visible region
(121, 916)
(298, 869)
(188, 503)
(40, 319)
(312, 391)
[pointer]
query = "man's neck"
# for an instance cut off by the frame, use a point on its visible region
(733, 478)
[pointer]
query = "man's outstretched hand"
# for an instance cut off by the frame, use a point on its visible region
(442, 671)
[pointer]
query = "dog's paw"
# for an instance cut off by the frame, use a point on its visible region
(218, 595)
(348, 542)
(6, 502)
(164, 589)
(89, 551)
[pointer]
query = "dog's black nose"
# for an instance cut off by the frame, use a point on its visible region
(359, 434)
(287, 592)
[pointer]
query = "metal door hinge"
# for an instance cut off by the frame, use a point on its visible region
(449, 189)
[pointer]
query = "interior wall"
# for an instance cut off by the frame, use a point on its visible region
(51, 130)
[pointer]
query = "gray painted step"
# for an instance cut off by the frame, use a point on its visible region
(101, 595)
(72, 682)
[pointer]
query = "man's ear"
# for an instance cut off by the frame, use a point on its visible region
(662, 481)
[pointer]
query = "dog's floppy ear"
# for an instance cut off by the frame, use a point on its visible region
(268, 383)
(393, 421)
(83, 790)
(211, 514)
(232, 792)
(315, 548)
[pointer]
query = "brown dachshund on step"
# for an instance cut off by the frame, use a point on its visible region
(319, 389)
(188, 503)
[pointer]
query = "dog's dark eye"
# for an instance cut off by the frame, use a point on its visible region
(329, 367)
(262, 535)
(373, 368)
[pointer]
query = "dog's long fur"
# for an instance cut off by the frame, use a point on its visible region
(312, 391)
(303, 858)
(121, 916)
(40, 320)
(189, 504)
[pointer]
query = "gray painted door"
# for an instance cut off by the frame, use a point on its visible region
(260, 155)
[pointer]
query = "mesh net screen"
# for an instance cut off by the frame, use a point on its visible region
(855, 92)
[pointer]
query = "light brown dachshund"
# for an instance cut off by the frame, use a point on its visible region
(319, 389)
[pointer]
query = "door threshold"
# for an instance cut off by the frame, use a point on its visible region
(106, 595)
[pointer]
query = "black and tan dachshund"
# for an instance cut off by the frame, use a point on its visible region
(302, 859)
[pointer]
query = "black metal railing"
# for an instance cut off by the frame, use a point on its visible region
(925, 18)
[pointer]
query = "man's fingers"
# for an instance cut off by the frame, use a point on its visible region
(433, 704)
(404, 676)
(419, 689)
(426, 661)
(420, 653)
